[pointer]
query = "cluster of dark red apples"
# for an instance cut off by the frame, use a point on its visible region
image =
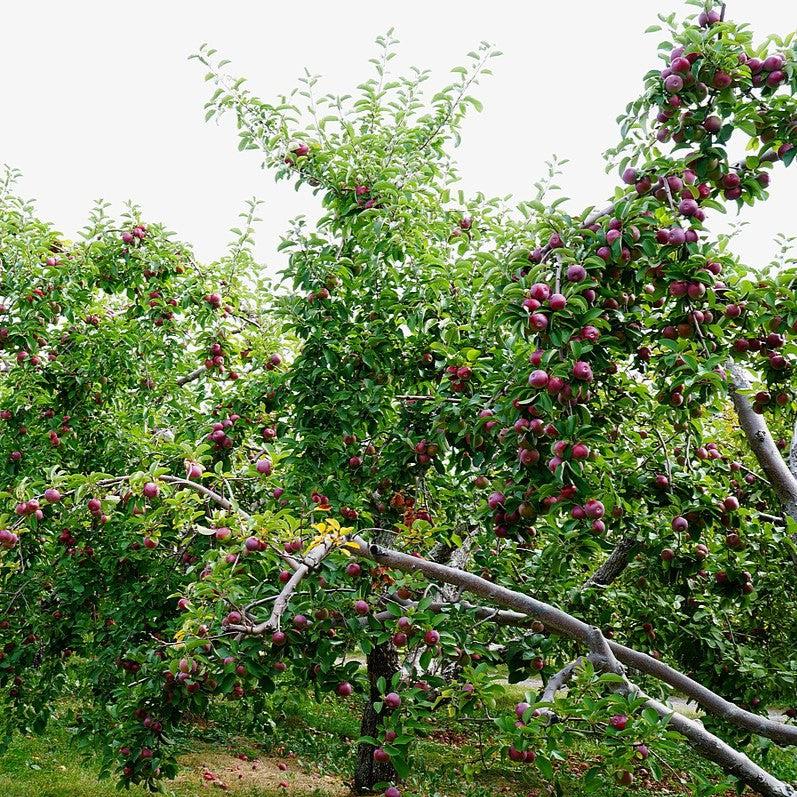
(464, 226)
(459, 376)
(767, 345)
(216, 360)
(137, 234)
(218, 434)
(216, 302)
(164, 306)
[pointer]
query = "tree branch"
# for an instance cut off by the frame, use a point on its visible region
(707, 744)
(567, 625)
(760, 439)
(190, 376)
(615, 564)
(314, 557)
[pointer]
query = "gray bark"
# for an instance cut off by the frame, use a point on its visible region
(563, 623)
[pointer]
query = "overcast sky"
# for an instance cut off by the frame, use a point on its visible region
(100, 99)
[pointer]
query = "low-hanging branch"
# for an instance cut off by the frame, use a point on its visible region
(567, 625)
(524, 608)
(606, 655)
(707, 744)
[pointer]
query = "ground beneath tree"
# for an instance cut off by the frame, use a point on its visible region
(209, 770)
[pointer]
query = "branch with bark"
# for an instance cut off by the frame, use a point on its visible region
(705, 743)
(190, 376)
(314, 557)
(565, 624)
(755, 428)
(614, 565)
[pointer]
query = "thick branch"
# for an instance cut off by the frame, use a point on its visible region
(567, 625)
(761, 443)
(497, 616)
(615, 564)
(707, 744)
(559, 680)
(793, 452)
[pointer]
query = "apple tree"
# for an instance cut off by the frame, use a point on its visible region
(509, 434)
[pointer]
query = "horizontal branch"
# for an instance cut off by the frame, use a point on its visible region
(498, 616)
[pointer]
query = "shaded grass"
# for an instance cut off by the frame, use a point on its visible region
(314, 741)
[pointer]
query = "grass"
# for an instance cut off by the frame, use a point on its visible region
(303, 749)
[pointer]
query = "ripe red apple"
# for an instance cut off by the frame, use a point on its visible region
(582, 371)
(151, 490)
(345, 689)
(731, 503)
(576, 273)
(496, 499)
(618, 722)
(353, 569)
(679, 523)
(431, 637)
(580, 451)
(538, 321)
(594, 509)
(538, 379)
(361, 607)
(52, 495)
(392, 700)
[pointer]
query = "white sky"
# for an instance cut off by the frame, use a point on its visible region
(99, 99)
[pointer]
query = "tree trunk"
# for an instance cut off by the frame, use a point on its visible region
(382, 662)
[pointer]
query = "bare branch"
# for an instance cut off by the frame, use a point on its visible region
(314, 557)
(559, 680)
(190, 376)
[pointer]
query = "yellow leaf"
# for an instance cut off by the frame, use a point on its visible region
(352, 544)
